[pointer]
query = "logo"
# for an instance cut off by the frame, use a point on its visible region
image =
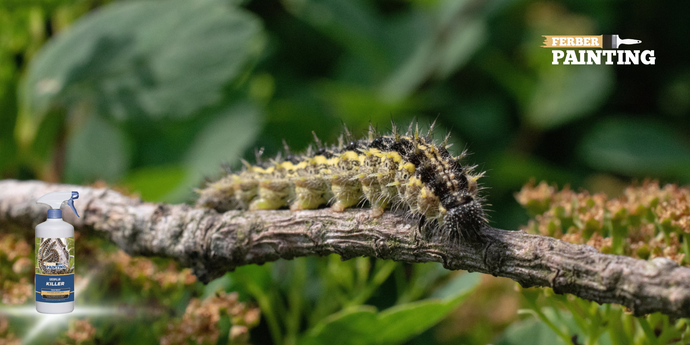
(608, 52)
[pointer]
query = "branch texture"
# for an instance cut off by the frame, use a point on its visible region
(212, 244)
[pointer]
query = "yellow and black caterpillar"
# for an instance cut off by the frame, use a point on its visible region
(388, 171)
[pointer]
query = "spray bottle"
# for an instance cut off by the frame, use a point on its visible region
(55, 257)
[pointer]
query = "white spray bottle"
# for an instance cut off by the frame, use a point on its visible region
(55, 257)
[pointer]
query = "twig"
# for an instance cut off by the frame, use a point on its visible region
(212, 244)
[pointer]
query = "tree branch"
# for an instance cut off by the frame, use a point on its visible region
(212, 244)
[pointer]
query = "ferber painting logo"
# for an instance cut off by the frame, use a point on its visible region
(609, 52)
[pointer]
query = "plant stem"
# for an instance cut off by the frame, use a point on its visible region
(380, 275)
(565, 337)
(267, 310)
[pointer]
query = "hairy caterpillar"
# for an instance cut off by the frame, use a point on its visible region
(48, 253)
(388, 171)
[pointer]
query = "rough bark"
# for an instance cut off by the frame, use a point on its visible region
(212, 244)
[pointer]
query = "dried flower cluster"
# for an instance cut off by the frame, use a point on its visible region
(80, 332)
(15, 255)
(200, 323)
(14, 247)
(146, 272)
(645, 222)
(16, 292)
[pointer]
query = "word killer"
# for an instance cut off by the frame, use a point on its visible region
(55, 283)
(610, 57)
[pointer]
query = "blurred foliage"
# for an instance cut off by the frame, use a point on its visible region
(306, 300)
(153, 96)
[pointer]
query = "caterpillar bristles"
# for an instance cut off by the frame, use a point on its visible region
(409, 128)
(317, 141)
(386, 172)
(258, 154)
(286, 148)
(372, 132)
(430, 133)
(445, 141)
(226, 168)
(394, 131)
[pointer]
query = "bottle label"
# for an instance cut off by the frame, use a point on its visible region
(54, 269)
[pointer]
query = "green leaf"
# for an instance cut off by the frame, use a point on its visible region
(99, 151)
(223, 140)
(364, 325)
(154, 59)
(458, 286)
(488, 117)
(353, 24)
(253, 275)
(636, 147)
(466, 39)
(8, 115)
(511, 171)
(537, 332)
(223, 283)
(567, 93)
(530, 331)
(455, 38)
(153, 183)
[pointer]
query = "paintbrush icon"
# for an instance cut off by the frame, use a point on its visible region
(613, 41)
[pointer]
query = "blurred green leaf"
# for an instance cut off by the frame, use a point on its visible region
(252, 278)
(529, 331)
(153, 183)
(353, 24)
(459, 31)
(636, 147)
(223, 283)
(510, 171)
(223, 140)
(486, 117)
(8, 116)
(460, 284)
(464, 41)
(567, 93)
(152, 58)
(358, 105)
(675, 97)
(98, 151)
(364, 325)
(537, 332)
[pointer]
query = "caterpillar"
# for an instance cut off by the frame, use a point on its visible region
(393, 171)
(48, 253)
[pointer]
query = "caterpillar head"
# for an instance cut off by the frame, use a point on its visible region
(464, 217)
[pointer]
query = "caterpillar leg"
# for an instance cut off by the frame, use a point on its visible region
(272, 196)
(377, 211)
(377, 200)
(344, 201)
(428, 203)
(219, 195)
(245, 192)
(346, 192)
(310, 194)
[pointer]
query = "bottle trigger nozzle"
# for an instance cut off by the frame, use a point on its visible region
(70, 202)
(57, 199)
